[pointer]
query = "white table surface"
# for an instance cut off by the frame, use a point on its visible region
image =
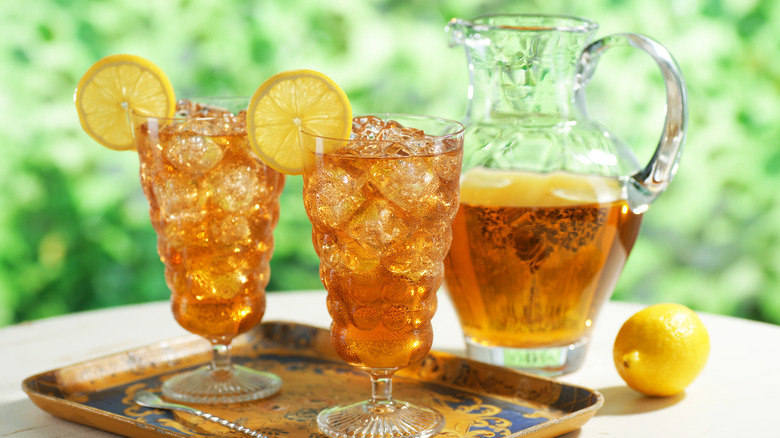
(737, 394)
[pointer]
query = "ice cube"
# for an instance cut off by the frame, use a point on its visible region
(367, 127)
(338, 195)
(235, 186)
(206, 119)
(184, 108)
(343, 255)
(419, 255)
(402, 135)
(204, 110)
(264, 217)
(396, 140)
(408, 183)
(356, 258)
(219, 275)
(363, 149)
(378, 224)
(192, 153)
(175, 193)
(327, 248)
(230, 229)
(447, 165)
(441, 205)
(406, 141)
(189, 228)
(398, 150)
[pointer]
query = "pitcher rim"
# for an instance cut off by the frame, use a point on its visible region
(586, 24)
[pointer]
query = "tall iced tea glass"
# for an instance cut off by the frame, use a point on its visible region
(214, 206)
(381, 205)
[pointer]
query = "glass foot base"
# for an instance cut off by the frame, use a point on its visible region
(546, 361)
(230, 385)
(380, 420)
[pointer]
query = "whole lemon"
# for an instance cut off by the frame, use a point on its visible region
(661, 349)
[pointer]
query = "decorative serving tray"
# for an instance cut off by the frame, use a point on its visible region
(476, 399)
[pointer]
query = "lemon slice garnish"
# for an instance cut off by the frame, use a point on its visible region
(291, 101)
(113, 86)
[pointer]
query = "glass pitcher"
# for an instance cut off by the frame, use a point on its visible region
(551, 202)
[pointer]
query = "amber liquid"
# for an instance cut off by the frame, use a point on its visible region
(534, 257)
(381, 233)
(213, 205)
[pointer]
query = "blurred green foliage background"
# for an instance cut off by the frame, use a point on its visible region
(74, 227)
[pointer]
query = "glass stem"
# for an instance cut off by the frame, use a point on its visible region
(381, 387)
(220, 357)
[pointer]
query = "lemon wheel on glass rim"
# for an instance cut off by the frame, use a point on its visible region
(288, 102)
(111, 88)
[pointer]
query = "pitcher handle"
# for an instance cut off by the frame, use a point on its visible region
(646, 184)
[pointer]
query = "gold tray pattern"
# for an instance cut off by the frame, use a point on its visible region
(476, 399)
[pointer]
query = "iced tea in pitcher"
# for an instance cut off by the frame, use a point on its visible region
(548, 249)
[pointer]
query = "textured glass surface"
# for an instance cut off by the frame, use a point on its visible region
(521, 112)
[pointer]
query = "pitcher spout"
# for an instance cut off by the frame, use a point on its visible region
(466, 33)
(456, 30)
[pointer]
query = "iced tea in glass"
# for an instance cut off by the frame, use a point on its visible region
(214, 206)
(381, 205)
